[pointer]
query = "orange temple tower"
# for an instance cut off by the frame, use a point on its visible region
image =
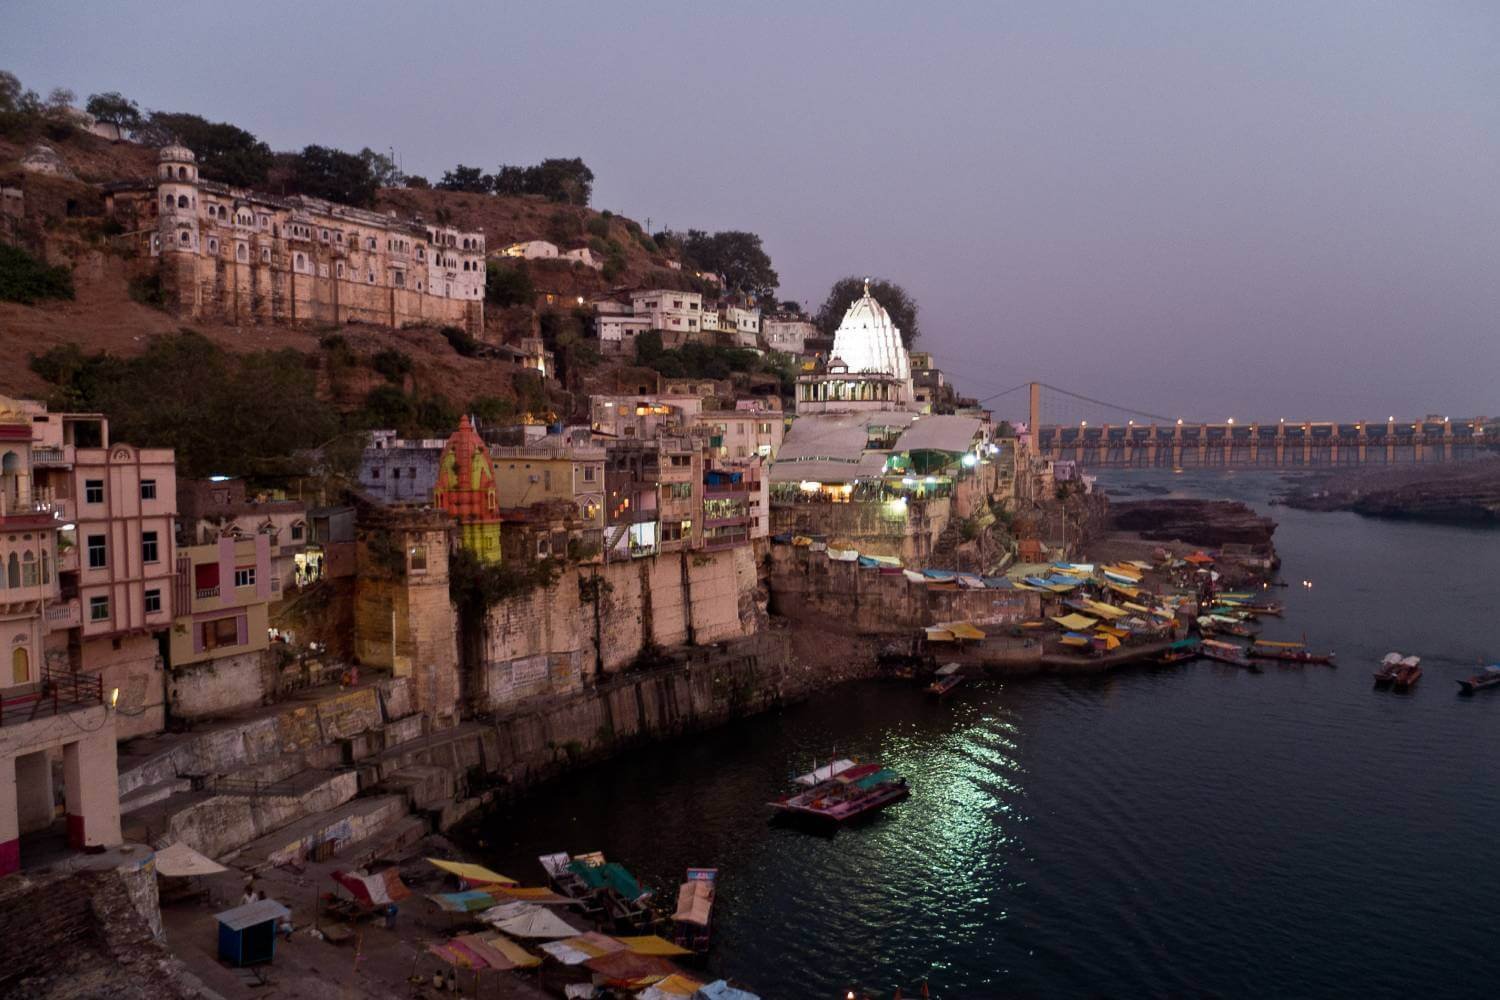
(466, 490)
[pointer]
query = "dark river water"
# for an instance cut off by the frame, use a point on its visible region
(1186, 831)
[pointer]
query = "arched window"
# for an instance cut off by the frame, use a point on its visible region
(241, 252)
(167, 201)
(301, 262)
(13, 570)
(182, 173)
(20, 666)
(183, 237)
(28, 569)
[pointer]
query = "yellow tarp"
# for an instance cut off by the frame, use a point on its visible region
(474, 873)
(522, 958)
(939, 635)
(1278, 645)
(1110, 642)
(677, 985)
(1123, 590)
(1075, 622)
(1118, 633)
(963, 630)
(1125, 569)
(1106, 610)
(1075, 640)
(652, 944)
(1137, 608)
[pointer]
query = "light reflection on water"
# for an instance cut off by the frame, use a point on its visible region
(1189, 831)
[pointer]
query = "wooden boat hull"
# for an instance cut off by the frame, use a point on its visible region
(828, 819)
(1407, 679)
(1291, 657)
(943, 685)
(1473, 684)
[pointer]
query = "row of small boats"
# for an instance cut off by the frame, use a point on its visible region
(1243, 656)
(1402, 672)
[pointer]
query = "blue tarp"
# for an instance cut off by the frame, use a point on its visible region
(867, 563)
(721, 990)
(939, 574)
(785, 538)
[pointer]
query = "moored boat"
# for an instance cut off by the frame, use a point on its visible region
(853, 793)
(1290, 652)
(1486, 678)
(1179, 651)
(1398, 671)
(945, 679)
(1407, 674)
(692, 921)
(1226, 652)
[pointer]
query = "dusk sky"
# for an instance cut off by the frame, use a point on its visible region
(1198, 209)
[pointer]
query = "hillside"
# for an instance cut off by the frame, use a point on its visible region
(65, 222)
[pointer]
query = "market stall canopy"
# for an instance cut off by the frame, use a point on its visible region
(627, 968)
(181, 861)
(964, 630)
(652, 944)
(380, 889)
(674, 987)
(484, 951)
(538, 923)
(465, 902)
(830, 448)
(478, 874)
(577, 950)
(1075, 622)
(941, 432)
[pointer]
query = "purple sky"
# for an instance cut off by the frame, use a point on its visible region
(1206, 209)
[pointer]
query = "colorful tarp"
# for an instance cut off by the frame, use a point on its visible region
(381, 889)
(530, 894)
(538, 923)
(721, 990)
(577, 950)
(478, 874)
(609, 875)
(625, 967)
(487, 951)
(652, 944)
(673, 987)
(1075, 622)
(465, 902)
(695, 902)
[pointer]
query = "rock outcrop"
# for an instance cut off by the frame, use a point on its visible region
(1209, 523)
(1460, 492)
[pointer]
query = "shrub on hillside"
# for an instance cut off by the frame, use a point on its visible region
(508, 285)
(598, 226)
(393, 364)
(26, 280)
(458, 338)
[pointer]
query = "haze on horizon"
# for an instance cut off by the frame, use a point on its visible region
(1212, 210)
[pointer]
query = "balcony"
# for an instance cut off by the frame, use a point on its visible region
(34, 509)
(205, 593)
(64, 614)
(59, 691)
(55, 457)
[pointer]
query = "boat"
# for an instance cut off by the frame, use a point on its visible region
(1222, 624)
(1226, 652)
(1291, 652)
(693, 919)
(1398, 671)
(945, 679)
(1407, 674)
(852, 793)
(1179, 651)
(1486, 678)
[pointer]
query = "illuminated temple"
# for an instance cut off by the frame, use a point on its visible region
(868, 368)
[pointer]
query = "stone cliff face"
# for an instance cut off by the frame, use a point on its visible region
(1210, 523)
(1467, 493)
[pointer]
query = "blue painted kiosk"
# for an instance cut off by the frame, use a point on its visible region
(247, 934)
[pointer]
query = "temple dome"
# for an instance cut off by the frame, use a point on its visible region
(868, 342)
(175, 153)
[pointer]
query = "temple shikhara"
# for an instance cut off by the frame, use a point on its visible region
(869, 368)
(465, 489)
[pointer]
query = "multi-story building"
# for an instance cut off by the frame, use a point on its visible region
(210, 509)
(669, 311)
(748, 430)
(709, 322)
(641, 417)
(29, 527)
(631, 528)
(223, 591)
(400, 470)
(244, 256)
(617, 326)
(727, 518)
(743, 324)
(788, 334)
(559, 467)
(679, 476)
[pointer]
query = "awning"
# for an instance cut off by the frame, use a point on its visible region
(530, 894)
(252, 914)
(1199, 559)
(652, 944)
(577, 950)
(964, 630)
(627, 968)
(1106, 610)
(484, 951)
(673, 987)
(939, 635)
(181, 861)
(465, 902)
(381, 889)
(478, 874)
(1075, 622)
(539, 923)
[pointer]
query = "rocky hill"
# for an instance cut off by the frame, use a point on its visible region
(1455, 492)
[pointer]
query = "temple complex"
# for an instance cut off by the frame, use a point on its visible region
(869, 368)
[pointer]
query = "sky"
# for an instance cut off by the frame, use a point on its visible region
(1197, 209)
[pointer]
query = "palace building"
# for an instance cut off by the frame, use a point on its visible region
(243, 256)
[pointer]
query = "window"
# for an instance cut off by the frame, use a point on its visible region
(241, 252)
(182, 201)
(98, 609)
(148, 547)
(28, 568)
(588, 473)
(244, 576)
(153, 601)
(93, 491)
(265, 255)
(148, 489)
(396, 472)
(341, 269)
(418, 558)
(297, 532)
(219, 632)
(96, 546)
(213, 246)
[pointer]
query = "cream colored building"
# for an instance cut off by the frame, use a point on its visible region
(223, 593)
(552, 469)
(244, 256)
(668, 311)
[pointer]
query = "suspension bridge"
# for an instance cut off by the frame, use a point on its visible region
(1069, 426)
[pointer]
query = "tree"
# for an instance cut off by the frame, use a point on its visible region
(59, 100)
(334, 175)
(11, 91)
(115, 108)
(736, 255)
(417, 182)
(225, 152)
(382, 168)
(568, 181)
(510, 180)
(894, 298)
(508, 285)
(462, 178)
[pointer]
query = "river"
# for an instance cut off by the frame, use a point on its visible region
(1186, 831)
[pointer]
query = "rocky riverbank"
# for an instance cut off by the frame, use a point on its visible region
(1452, 493)
(1207, 523)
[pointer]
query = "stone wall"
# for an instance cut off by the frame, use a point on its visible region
(219, 686)
(908, 531)
(548, 641)
(135, 667)
(842, 596)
